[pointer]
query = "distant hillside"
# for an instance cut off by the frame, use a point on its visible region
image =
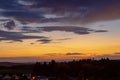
(8, 64)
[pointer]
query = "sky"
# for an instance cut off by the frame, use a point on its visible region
(40, 30)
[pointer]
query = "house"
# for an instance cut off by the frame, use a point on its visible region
(41, 78)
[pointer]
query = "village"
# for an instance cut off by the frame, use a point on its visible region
(21, 77)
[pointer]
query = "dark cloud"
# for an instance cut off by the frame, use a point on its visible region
(10, 25)
(8, 4)
(68, 54)
(77, 30)
(44, 41)
(73, 3)
(26, 29)
(74, 53)
(74, 29)
(117, 53)
(53, 54)
(64, 39)
(101, 31)
(24, 15)
(71, 10)
(32, 43)
(19, 37)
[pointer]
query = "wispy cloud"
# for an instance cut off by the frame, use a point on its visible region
(75, 53)
(20, 36)
(63, 39)
(44, 41)
(117, 53)
(101, 31)
(74, 29)
(65, 54)
(17, 36)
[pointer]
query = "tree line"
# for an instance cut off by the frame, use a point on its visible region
(86, 69)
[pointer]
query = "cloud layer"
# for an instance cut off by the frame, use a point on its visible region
(52, 11)
(69, 10)
(74, 29)
(19, 37)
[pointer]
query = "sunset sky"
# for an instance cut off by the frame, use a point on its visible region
(32, 30)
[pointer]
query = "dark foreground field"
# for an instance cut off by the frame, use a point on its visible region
(87, 69)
